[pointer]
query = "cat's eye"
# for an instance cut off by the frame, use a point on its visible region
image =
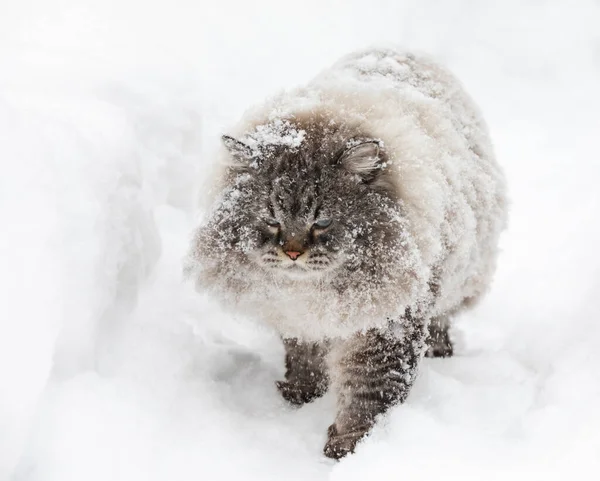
(322, 223)
(272, 223)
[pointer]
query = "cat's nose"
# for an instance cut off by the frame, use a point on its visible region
(293, 254)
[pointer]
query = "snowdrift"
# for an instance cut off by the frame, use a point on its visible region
(112, 368)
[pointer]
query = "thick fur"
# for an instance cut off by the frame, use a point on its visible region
(392, 152)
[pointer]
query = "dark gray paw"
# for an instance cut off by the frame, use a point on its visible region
(339, 445)
(298, 394)
(440, 349)
(439, 343)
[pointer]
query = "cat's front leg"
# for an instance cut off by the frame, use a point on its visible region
(371, 372)
(306, 374)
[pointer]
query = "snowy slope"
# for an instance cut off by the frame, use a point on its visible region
(112, 369)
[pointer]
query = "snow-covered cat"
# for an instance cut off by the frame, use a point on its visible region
(355, 215)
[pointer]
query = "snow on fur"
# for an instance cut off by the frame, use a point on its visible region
(441, 167)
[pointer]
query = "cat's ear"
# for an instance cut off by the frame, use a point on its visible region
(238, 150)
(364, 159)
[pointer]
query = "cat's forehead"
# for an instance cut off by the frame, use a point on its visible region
(299, 188)
(298, 172)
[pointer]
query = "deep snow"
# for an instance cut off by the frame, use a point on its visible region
(112, 369)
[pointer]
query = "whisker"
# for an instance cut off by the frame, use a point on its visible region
(271, 261)
(321, 262)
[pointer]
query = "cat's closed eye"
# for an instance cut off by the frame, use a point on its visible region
(322, 223)
(274, 223)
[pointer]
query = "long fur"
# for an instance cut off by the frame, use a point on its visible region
(447, 198)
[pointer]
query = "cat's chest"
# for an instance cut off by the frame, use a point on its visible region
(298, 299)
(316, 310)
(299, 309)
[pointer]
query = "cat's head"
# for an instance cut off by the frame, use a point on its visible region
(306, 206)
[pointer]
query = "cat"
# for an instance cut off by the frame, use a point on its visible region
(355, 215)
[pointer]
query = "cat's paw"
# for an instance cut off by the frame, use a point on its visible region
(439, 343)
(294, 393)
(440, 349)
(297, 394)
(291, 393)
(339, 445)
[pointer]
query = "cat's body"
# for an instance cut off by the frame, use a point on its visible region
(349, 215)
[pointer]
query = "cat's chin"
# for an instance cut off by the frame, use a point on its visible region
(298, 273)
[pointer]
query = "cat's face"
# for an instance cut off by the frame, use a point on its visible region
(303, 227)
(304, 212)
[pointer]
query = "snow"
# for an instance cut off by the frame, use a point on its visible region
(278, 133)
(112, 368)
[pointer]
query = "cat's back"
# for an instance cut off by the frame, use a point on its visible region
(384, 84)
(381, 69)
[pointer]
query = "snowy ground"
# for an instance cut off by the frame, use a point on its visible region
(112, 369)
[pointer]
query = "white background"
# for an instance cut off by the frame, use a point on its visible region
(111, 368)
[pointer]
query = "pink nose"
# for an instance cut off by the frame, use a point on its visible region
(293, 254)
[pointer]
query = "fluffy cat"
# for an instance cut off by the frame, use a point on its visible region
(356, 216)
